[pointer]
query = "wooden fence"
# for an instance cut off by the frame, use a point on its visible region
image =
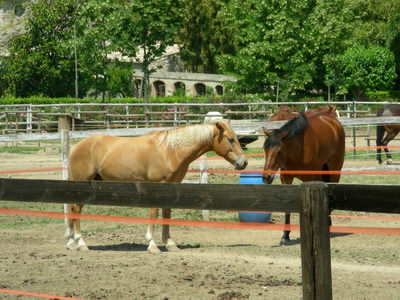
(312, 200)
(36, 118)
(245, 127)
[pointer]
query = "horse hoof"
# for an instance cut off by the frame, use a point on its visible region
(153, 250)
(71, 245)
(172, 248)
(284, 242)
(83, 248)
(389, 162)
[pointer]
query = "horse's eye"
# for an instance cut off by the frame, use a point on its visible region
(231, 140)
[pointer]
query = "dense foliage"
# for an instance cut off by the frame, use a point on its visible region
(360, 69)
(272, 46)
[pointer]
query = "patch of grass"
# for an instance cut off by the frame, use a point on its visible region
(19, 150)
(369, 154)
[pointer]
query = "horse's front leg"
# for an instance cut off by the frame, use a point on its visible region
(73, 232)
(166, 238)
(285, 240)
(152, 248)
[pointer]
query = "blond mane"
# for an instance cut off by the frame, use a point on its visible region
(186, 136)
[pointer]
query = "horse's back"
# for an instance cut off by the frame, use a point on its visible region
(87, 154)
(325, 138)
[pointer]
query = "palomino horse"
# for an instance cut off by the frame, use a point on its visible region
(391, 131)
(314, 140)
(162, 156)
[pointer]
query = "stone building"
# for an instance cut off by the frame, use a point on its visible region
(171, 78)
(182, 83)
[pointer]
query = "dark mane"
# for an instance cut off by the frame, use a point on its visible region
(293, 128)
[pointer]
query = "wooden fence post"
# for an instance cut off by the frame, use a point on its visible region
(64, 127)
(315, 242)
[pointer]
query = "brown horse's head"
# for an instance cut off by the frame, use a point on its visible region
(273, 155)
(225, 143)
(274, 141)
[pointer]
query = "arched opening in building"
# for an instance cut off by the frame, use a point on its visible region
(219, 89)
(159, 88)
(200, 89)
(180, 89)
(137, 88)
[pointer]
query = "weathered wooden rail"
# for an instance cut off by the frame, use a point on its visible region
(242, 128)
(312, 200)
(34, 118)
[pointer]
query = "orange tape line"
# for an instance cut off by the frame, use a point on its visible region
(365, 230)
(196, 223)
(15, 292)
(303, 172)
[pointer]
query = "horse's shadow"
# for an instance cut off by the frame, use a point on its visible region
(297, 241)
(132, 247)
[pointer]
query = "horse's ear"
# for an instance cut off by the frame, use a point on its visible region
(220, 126)
(266, 131)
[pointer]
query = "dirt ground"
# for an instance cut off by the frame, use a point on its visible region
(221, 264)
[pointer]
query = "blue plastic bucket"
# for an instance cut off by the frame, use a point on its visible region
(250, 216)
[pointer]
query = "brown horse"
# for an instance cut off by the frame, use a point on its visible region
(314, 140)
(162, 156)
(391, 131)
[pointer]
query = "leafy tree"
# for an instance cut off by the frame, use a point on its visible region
(362, 69)
(376, 23)
(120, 80)
(283, 41)
(150, 26)
(40, 62)
(95, 25)
(205, 34)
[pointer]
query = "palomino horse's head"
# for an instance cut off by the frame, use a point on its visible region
(225, 143)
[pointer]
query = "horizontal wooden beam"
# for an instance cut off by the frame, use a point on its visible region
(257, 197)
(243, 127)
(365, 197)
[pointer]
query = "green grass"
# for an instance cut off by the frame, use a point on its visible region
(20, 150)
(369, 155)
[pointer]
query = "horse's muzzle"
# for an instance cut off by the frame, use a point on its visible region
(268, 179)
(241, 163)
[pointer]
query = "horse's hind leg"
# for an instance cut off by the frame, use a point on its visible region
(80, 168)
(166, 238)
(73, 233)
